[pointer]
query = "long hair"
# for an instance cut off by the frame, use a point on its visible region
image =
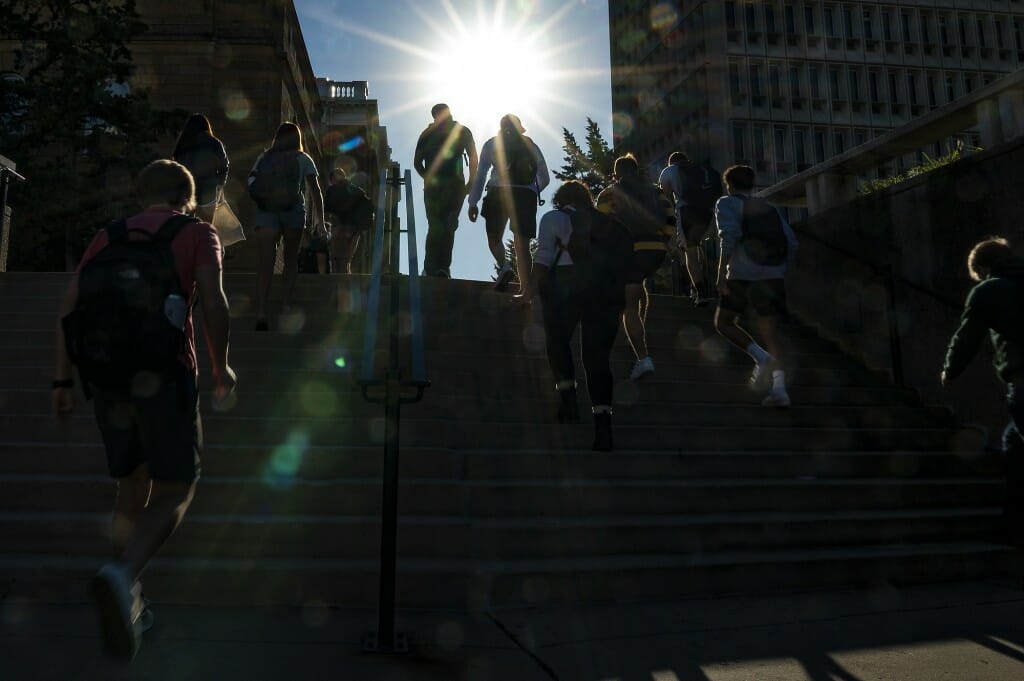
(195, 126)
(573, 193)
(287, 138)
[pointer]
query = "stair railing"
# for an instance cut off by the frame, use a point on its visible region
(392, 390)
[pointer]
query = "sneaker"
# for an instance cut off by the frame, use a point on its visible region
(114, 600)
(505, 275)
(778, 397)
(642, 368)
(761, 374)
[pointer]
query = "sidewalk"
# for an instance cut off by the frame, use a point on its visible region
(955, 632)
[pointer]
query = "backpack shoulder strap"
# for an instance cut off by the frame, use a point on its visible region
(172, 227)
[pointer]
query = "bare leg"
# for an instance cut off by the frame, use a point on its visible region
(633, 319)
(292, 239)
(321, 263)
(133, 492)
(693, 267)
(727, 324)
(266, 252)
(523, 260)
(768, 331)
(494, 242)
(167, 505)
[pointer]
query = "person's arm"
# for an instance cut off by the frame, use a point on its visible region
(477, 189)
(729, 224)
(474, 160)
(547, 252)
(216, 325)
(63, 399)
(543, 174)
(316, 198)
(419, 160)
(666, 184)
(964, 344)
(791, 242)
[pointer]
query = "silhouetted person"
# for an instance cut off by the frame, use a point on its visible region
(694, 189)
(580, 271)
(276, 184)
(126, 323)
(647, 214)
(440, 151)
(757, 245)
(203, 154)
(352, 211)
(995, 308)
(515, 173)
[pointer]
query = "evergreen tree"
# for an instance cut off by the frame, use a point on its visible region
(592, 167)
(76, 128)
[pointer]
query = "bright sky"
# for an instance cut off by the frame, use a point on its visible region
(544, 60)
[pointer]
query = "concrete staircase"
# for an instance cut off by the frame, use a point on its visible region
(707, 493)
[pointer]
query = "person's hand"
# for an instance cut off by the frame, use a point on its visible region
(723, 287)
(473, 212)
(224, 383)
(522, 299)
(944, 380)
(63, 400)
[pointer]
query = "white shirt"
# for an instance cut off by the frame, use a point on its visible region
(487, 154)
(555, 226)
(670, 176)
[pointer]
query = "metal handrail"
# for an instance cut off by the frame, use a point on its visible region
(386, 639)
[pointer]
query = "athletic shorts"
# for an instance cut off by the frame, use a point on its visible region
(765, 297)
(693, 227)
(162, 430)
(516, 206)
(293, 218)
(645, 263)
(208, 191)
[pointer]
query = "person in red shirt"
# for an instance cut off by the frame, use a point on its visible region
(152, 434)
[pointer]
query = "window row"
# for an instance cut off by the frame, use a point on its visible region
(775, 83)
(873, 23)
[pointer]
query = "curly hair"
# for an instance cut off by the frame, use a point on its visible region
(993, 254)
(573, 193)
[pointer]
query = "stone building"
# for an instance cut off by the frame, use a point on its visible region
(785, 84)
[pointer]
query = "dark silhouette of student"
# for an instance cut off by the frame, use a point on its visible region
(579, 272)
(440, 151)
(994, 308)
(515, 173)
(203, 154)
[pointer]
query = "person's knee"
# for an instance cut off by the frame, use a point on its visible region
(723, 321)
(178, 494)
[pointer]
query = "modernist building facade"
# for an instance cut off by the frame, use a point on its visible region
(785, 84)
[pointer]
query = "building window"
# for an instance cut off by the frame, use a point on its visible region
(838, 142)
(1018, 34)
(912, 88)
(819, 146)
(859, 137)
(894, 90)
(769, 18)
(759, 143)
(780, 144)
(926, 34)
(809, 19)
(755, 80)
(739, 142)
(794, 82)
(905, 25)
(869, 31)
(790, 19)
(944, 30)
(813, 77)
(854, 78)
(830, 22)
(1000, 39)
(730, 15)
(886, 25)
(932, 99)
(962, 25)
(751, 17)
(734, 83)
(833, 83)
(799, 154)
(968, 84)
(775, 80)
(848, 24)
(980, 27)
(950, 88)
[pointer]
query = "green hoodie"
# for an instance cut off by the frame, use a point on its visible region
(995, 306)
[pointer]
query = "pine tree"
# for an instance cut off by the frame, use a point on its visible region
(593, 167)
(72, 123)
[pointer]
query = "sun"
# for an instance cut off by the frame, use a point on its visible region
(487, 69)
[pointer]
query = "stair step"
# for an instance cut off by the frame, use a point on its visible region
(481, 584)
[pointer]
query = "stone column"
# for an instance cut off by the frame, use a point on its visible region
(990, 123)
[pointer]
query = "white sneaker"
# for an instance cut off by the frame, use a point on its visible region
(504, 277)
(642, 368)
(778, 397)
(114, 602)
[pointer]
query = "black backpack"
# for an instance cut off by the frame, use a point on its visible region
(702, 188)
(602, 250)
(127, 297)
(520, 164)
(350, 205)
(275, 184)
(642, 210)
(764, 238)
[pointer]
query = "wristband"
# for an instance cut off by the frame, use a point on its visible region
(66, 383)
